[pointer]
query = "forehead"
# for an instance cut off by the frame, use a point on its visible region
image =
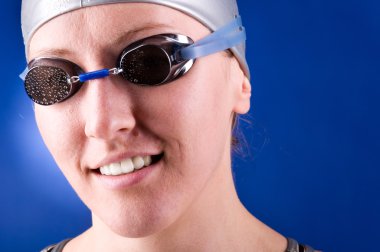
(107, 26)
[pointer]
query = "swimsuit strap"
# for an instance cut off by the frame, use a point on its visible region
(56, 247)
(293, 246)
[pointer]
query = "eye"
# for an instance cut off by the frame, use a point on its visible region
(146, 65)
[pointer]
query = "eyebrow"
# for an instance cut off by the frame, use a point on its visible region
(129, 35)
(125, 36)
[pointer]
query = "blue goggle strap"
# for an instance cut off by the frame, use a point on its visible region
(224, 38)
(24, 73)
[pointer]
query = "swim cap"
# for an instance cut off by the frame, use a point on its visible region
(211, 13)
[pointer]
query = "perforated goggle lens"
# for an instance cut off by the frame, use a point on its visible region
(155, 60)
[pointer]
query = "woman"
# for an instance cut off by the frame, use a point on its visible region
(145, 141)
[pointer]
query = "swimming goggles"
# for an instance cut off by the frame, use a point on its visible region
(151, 61)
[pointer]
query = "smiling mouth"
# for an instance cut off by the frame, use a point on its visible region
(129, 165)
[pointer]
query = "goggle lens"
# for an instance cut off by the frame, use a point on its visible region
(146, 65)
(47, 85)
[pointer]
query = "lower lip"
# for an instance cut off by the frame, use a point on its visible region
(125, 181)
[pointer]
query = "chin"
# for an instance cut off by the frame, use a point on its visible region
(136, 228)
(135, 222)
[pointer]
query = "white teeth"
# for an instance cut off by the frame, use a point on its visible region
(138, 162)
(115, 168)
(105, 170)
(126, 166)
(147, 160)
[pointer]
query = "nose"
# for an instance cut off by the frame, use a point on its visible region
(107, 109)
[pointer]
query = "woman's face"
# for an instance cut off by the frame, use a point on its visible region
(187, 123)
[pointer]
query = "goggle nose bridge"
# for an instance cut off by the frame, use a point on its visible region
(97, 74)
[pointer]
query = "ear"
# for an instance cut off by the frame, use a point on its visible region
(243, 96)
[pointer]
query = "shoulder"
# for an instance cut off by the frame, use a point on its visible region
(56, 247)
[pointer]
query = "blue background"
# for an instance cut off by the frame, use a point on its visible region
(311, 170)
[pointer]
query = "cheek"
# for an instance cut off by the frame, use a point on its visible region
(60, 132)
(192, 114)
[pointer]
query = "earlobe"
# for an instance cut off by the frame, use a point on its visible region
(243, 98)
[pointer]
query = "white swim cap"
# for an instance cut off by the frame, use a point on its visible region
(211, 13)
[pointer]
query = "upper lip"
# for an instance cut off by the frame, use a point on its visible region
(109, 159)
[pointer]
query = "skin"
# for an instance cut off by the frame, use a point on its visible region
(190, 202)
